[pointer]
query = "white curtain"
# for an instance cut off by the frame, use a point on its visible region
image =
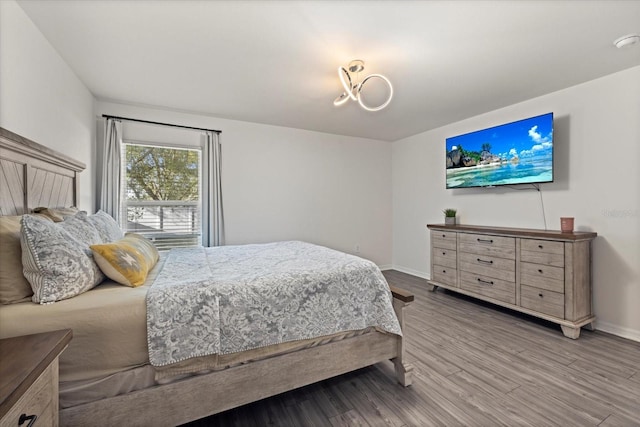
(212, 199)
(109, 188)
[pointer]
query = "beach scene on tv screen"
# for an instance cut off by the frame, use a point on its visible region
(515, 153)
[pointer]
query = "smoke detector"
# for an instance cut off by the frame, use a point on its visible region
(627, 40)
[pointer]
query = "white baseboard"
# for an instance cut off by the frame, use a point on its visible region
(384, 267)
(620, 331)
(410, 271)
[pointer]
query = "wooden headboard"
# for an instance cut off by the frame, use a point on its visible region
(32, 175)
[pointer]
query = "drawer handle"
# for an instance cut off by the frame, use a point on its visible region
(24, 418)
(444, 235)
(485, 282)
(540, 246)
(444, 271)
(541, 296)
(540, 271)
(485, 261)
(444, 253)
(485, 240)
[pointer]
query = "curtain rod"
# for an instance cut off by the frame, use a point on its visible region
(159, 123)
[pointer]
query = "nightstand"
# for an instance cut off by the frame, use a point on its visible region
(29, 378)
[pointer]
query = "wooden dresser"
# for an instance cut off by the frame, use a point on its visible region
(546, 274)
(29, 378)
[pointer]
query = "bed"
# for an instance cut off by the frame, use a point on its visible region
(106, 377)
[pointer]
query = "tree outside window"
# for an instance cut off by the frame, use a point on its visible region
(170, 177)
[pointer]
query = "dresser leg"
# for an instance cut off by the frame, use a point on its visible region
(570, 332)
(590, 326)
(431, 288)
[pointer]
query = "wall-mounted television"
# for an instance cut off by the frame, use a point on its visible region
(513, 153)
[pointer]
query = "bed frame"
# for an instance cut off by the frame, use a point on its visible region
(32, 175)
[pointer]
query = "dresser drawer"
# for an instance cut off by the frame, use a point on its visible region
(542, 276)
(37, 400)
(444, 239)
(445, 275)
(542, 300)
(482, 244)
(487, 265)
(491, 287)
(543, 252)
(445, 257)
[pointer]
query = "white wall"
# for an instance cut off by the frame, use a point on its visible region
(597, 180)
(282, 183)
(41, 98)
(278, 183)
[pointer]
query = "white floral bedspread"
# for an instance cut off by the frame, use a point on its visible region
(233, 298)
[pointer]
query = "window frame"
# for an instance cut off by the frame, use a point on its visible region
(203, 181)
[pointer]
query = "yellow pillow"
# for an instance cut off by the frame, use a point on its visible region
(128, 260)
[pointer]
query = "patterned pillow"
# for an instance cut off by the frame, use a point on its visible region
(107, 226)
(128, 260)
(82, 230)
(57, 264)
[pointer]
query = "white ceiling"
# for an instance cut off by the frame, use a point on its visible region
(275, 62)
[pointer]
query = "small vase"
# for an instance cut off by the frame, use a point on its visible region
(566, 224)
(450, 220)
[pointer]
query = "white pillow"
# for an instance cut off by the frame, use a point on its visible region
(56, 257)
(81, 229)
(107, 226)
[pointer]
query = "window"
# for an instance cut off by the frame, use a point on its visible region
(162, 193)
(168, 189)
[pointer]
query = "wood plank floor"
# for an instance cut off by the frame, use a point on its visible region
(475, 364)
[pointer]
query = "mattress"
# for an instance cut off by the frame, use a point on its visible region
(108, 323)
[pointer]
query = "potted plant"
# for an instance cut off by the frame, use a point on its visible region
(450, 216)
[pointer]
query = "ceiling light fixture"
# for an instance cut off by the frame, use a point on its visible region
(353, 88)
(627, 40)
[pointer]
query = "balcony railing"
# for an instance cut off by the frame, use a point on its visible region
(167, 223)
